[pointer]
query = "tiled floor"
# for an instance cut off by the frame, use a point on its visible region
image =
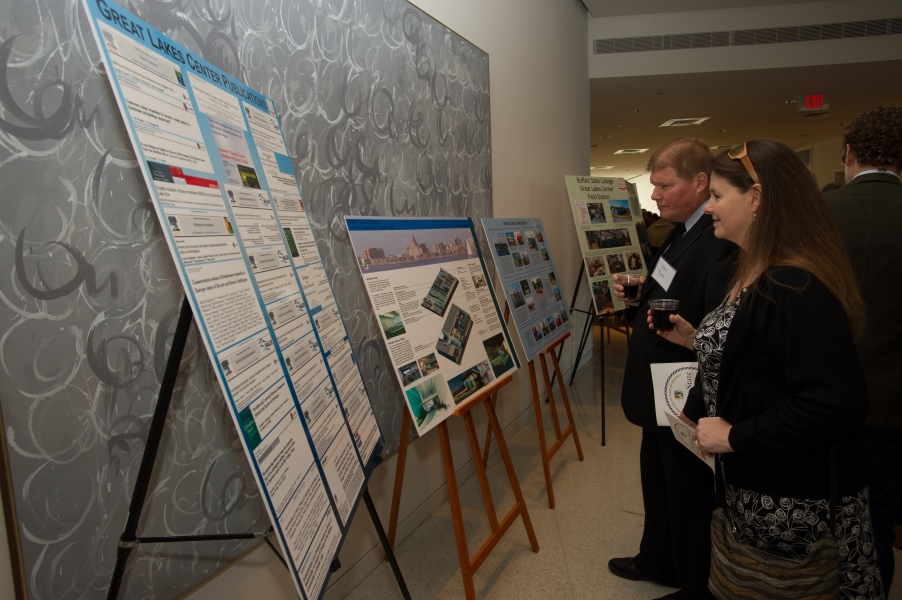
(598, 514)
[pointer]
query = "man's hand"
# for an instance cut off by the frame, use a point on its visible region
(618, 288)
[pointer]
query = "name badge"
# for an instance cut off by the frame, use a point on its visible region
(664, 274)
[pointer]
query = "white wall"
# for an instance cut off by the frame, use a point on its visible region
(826, 159)
(540, 132)
(700, 60)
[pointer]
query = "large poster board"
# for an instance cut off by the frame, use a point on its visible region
(530, 282)
(608, 226)
(213, 157)
(439, 317)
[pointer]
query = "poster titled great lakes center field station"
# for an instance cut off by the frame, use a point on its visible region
(440, 320)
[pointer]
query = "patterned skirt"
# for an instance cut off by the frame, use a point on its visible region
(787, 527)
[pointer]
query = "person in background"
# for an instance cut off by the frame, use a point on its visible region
(868, 211)
(780, 382)
(830, 187)
(658, 232)
(675, 547)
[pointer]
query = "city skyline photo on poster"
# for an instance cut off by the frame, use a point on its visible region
(426, 283)
(215, 163)
(529, 281)
(610, 232)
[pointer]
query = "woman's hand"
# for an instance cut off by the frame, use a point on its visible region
(712, 436)
(618, 288)
(682, 334)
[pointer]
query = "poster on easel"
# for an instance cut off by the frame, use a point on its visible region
(606, 214)
(439, 317)
(529, 279)
(222, 184)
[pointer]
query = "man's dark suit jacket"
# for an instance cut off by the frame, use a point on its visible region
(704, 266)
(869, 212)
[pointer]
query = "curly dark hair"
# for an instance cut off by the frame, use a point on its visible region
(876, 137)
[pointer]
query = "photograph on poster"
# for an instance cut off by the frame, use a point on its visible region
(615, 263)
(537, 333)
(519, 236)
(634, 261)
(386, 250)
(620, 211)
(501, 244)
(545, 255)
(428, 364)
(410, 373)
(596, 213)
(470, 381)
(455, 334)
(499, 354)
(552, 277)
(518, 262)
(595, 266)
(440, 293)
(392, 324)
(602, 294)
(511, 238)
(551, 324)
(608, 238)
(479, 281)
(557, 293)
(427, 400)
(539, 287)
(531, 241)
(515, 293)
(540, 237)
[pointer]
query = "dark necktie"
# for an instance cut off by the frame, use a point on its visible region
(678, 233)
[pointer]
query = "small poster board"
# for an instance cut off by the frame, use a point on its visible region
(530, 281)
(610, 232)
(439, 317)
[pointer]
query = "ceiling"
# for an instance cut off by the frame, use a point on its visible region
(742, 105)
(616, 8)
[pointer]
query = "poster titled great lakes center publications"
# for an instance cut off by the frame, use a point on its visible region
(530, 282)
(214, 159)
(440, 321)
(611, 234)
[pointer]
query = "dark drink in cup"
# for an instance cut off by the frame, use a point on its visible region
(630, 285)
(661, 311)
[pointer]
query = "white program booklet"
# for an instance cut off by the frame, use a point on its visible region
(683, 434)
(672, 382)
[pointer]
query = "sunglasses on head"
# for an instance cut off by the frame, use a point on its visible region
(741, 153)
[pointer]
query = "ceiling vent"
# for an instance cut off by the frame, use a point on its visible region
(684, 122)
(604, 168)
(749, 37)
(632, 151)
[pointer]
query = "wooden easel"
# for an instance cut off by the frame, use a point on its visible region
(467, 566)
(547, 453)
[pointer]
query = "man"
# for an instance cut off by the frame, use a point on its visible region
(868, 211)
(677, 488)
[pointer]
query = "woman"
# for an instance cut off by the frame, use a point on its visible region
(783, 337)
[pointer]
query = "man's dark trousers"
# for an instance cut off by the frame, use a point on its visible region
(667, 464)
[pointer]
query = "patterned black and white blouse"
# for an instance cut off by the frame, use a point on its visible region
(788, 526)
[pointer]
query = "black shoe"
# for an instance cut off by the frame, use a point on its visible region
(626, 568)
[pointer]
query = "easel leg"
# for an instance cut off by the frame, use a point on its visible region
(587, 330)
(488, 431)
(602, 397)
(540, 427)
(157, 425)
(399, 478)
(550, 396)
(560, 378)
(386, 545)
(480, 472)
(456, 514)
(512, 476)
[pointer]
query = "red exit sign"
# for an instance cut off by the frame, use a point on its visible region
(815, 101)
